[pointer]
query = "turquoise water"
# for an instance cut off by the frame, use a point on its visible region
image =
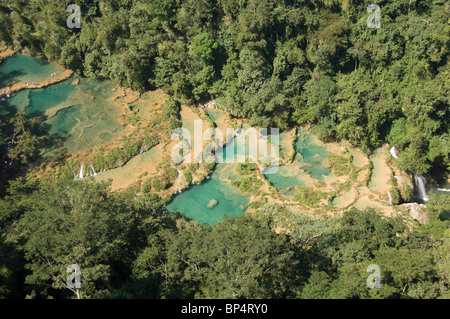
(80, 113)
(283, 178)
(193, 202)
(65, 120)
(214, 114)
(313, 155)
(23, 68)
(88, 119)
(238, 154)
(37, 101)
(443, 189)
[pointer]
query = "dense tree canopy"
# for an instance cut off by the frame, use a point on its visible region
(277, 63)
(130, 247)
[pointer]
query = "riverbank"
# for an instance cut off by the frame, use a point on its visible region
(5, 52)
(60, 74)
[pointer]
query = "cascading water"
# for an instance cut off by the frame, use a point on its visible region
(394, 152)
(418, 179)
(93, 171)
(421, 188)
(81, 172)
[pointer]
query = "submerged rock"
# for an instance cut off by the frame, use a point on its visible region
(212, 203)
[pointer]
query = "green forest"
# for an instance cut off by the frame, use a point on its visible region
(130, 247)
(278, 63)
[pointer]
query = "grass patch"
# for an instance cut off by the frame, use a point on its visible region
(340, 165)
(249, 185)
(309, 197)
(246, 168)
(369, 173)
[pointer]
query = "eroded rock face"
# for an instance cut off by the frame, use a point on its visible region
(210, 105)
(417, 211)
(212, 203)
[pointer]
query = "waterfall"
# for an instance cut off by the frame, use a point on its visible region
(394, 152)
(81, 172)
(93, 170)
(420, 184)
(390, 198)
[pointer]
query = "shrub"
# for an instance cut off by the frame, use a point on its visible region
(309, 197)
(188, 177)
(246, 168)
(147, 185)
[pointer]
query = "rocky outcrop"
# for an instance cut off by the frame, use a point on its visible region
(210, 105)
(417, 211)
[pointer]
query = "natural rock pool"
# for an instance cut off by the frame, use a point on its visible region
(308, 162)
(85, 113)
(78, 110)
(194, 201)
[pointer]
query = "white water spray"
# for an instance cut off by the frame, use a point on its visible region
(93, 170)
(394, 152)
(81, 172)
(420, 184)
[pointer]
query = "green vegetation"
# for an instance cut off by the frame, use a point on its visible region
(395, 193)
(188, 177)
(169, 116)
(257, 203)
(132, 146)
(340, 165)
(131, 247)
(147, 186)
(369, 173)
(308, 196)
(246, 168)
(249, 184)
(278, 64)
(294, 151)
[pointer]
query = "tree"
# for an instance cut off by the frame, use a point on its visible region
(237, 258)
(75, 223)
(401, 268)
(320, 104)
(317, 287)
(23, 145)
